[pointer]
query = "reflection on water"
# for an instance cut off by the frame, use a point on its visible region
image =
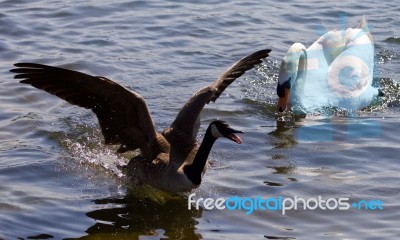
(284, 134)
(137, 218)
(58, 180)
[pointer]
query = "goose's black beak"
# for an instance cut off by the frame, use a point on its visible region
(230, 134)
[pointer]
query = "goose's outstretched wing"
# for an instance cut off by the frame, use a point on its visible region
(123, 115)
(187, 120)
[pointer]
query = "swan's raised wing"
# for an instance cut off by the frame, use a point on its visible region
(187, 120)
(122, 114)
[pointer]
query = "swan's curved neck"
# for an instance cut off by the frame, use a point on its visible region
(294, 64)
(297, 64)
(302, 65)
(194, 171)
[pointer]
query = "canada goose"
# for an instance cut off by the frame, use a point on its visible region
(335, 71)
(172, 160)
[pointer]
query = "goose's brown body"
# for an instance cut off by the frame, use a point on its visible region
(171, 160)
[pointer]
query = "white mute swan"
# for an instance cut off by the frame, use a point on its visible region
(335, 71)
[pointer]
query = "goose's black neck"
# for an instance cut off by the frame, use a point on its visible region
(195, 170)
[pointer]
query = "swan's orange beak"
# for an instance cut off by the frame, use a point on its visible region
(283, 101)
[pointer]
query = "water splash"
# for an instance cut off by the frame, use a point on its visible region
(81, 138)
(100, 156)
(262, 86)
(385, 55)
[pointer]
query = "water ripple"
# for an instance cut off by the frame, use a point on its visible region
(54, 166)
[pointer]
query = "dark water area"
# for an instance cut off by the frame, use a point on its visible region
(58, 181)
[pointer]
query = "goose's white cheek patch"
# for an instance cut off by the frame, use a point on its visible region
(215, 132)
